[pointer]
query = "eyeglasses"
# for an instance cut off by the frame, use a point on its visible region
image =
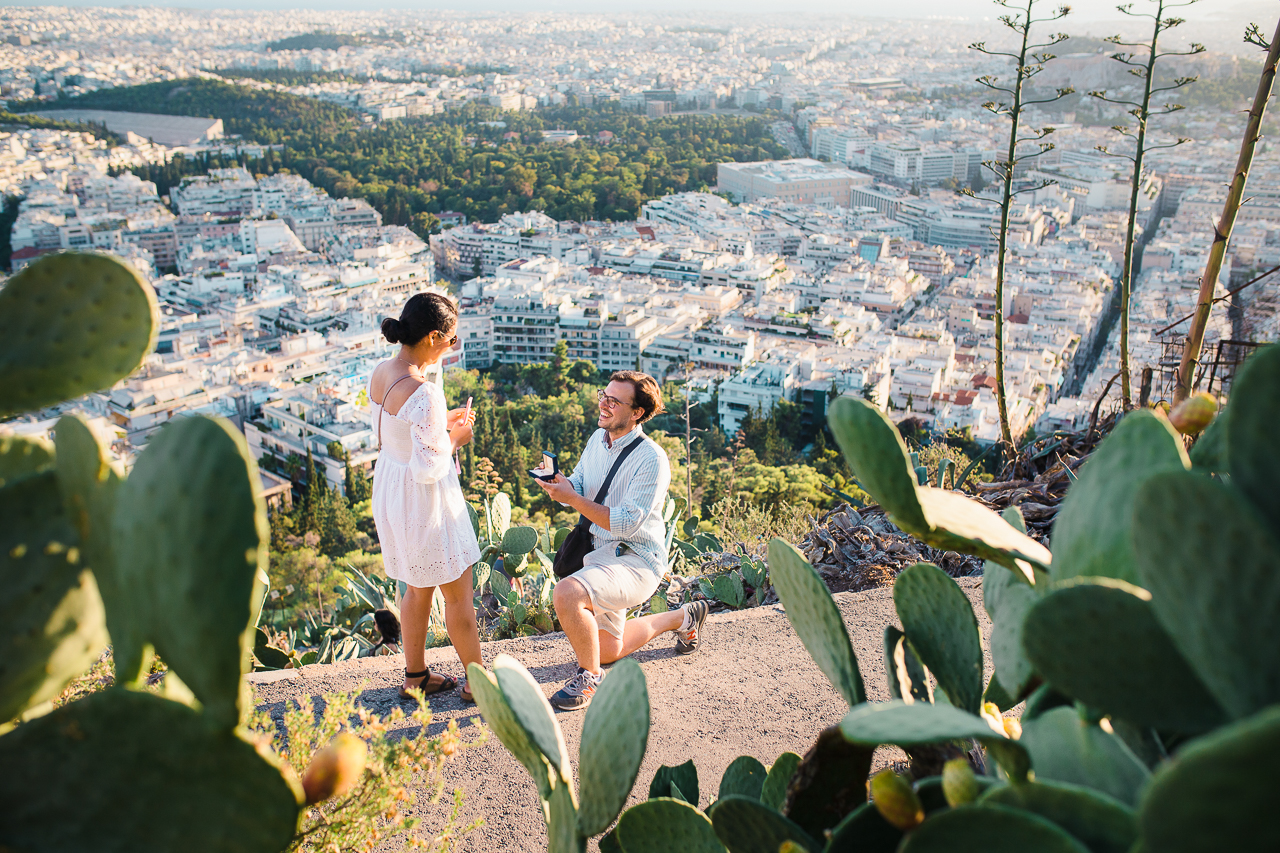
(611, 402)
(452, 340)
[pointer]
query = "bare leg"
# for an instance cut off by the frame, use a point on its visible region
(636, 633)
(415, 615)
(460, 621)
(573, 609)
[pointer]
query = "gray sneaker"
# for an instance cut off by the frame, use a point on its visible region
(687, 641)
(577, 691)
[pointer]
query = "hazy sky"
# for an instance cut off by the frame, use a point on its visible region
(1082, 10)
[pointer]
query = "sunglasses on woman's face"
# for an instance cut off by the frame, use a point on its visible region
(452, 340)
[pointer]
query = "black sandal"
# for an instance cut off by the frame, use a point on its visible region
(448, 682)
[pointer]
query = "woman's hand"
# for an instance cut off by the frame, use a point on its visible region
(456, 417)
(461, 435)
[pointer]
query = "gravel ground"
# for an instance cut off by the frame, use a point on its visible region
(751, 690)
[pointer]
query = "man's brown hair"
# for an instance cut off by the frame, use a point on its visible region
(647, 393)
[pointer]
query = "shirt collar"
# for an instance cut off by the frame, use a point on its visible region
(635, 433)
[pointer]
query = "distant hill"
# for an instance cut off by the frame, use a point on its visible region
(264, 116)
(315, 41)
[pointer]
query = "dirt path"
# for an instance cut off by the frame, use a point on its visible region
(751, 690)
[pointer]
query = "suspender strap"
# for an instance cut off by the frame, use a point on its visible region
(382, 405)
(604, 487)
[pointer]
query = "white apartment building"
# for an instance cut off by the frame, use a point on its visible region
(803, 181)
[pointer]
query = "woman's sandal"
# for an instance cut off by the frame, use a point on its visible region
(448, 682)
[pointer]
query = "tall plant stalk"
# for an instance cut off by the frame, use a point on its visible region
(1144, 70)
(1029, 64)
(1222, 230)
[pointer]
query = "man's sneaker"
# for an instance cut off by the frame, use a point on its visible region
(577, 691)
(688, 638)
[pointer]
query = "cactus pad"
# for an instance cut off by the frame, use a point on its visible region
(942, 630)
(864, 831)
(813, 614)
(943, 519)
(1073, 635)
(87, 756)
(683, 776)
(89, 489)
(614, 736)
(20, 457)
(1251, 431)
(747, 826)
(191, 534)
(666, 825)
(562, 820)
(500, 506)
(743, 777)
(533, 712)
(52, 618)
(71, 324)
(830, 782)
(1102, 823)
(774, 792)
(1092, 536)
(990, 829)
(907, 725)
(1212, 564)
(903, 670)
(1218, 793)
(518, 541)
(499, 717)
(1066, 748)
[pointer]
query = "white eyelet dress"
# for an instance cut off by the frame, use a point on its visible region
(418, 506)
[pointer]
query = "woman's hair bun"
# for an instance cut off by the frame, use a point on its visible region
(391, 330)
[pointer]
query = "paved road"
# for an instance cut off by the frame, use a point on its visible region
(752, 689)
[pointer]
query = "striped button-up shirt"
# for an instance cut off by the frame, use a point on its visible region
(636, 496)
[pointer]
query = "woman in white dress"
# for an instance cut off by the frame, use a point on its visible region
(418, 506)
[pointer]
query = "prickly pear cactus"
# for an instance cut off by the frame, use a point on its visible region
(125, 771)
(994, 828)
(941, 628)
(70, 324)
(664, 825)
(614, 736)
(191, 533)
(745, 824)
(20, 457)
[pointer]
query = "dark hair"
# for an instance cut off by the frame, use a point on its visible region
(647, 393)
(423, 314)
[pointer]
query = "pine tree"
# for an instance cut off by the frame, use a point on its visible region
(358, 486)
(336, 524)
(313, 497)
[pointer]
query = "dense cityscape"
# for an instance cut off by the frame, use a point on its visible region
(847, 264)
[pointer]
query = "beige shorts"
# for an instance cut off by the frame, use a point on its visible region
(615, 584)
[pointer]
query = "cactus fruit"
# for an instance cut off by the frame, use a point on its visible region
(744, 825)
(189, 548)
(335, 769)
(614, 736)
(813, 614)
(52, 614)
(665, 825)
(1217, 793)
(941, 518)
(1102, 823)
(1217, 618)
(1193, 414)
(145, 775)
(1066, 748)
(21, 456)
(942, 630)
(991, 828)
(774, 792)
(1251, 420)
(1072, 635)
(1093, 533)
(905, 673)
(896, 801)
(743, 777)
(683, 776)
(959, 783)
(71, 324)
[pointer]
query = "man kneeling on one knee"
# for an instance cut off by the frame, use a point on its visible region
(629, 538)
